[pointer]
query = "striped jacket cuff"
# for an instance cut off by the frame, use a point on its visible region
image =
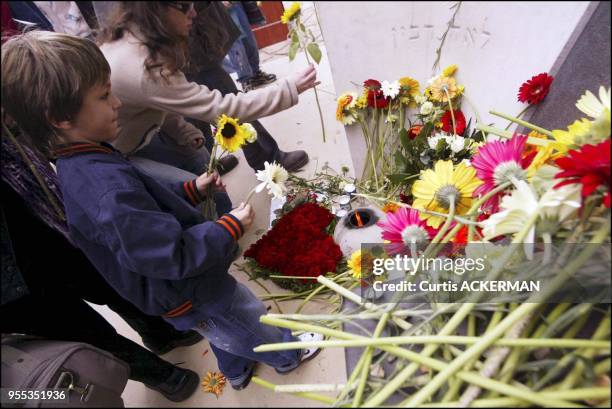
(232, 225)
(192, 193)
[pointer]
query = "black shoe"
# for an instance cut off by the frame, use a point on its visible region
(264, 76)
(226, 163)
(186, 339)
(293, 161)
(246, 381)
(180, 385)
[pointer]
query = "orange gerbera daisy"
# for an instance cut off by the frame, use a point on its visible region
(214, 382)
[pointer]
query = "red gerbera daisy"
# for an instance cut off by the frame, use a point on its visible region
(589, 166)
(376, 98)
(447, 122)
(534, 90)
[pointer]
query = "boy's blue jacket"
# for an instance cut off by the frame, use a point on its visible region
(147, 239)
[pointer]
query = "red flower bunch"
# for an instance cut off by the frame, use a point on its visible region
(414, 131)
(589, 166)
(447, 122)
(298, 244)
(376, 98)
(534, 90)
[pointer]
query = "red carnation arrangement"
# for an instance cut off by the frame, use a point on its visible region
(376, 98)
(588, 166)
(298, 245)
(447, 122)
(534, 90)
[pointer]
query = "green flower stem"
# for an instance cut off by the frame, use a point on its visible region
(307, 395)
(292, 277)
(512, 318)
(508, 135)
(527, 343)
(450, 106)
(370, 147)
(264, 287)
(251, 193)
(602, 367)
(369, 351)
(453, 390)
(572, 395)
(316, 291)
(299, 24)
(419, 359)
(523, 123)
(43, 185)
(602, 332)
(360, 316)
(447, 223)
(453, 323)
(518, 116)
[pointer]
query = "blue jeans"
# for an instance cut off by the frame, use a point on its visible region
(244, 55)
(171, 163)
(234, 333)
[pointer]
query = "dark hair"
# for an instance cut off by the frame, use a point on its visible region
(45, 76)
(167, 51)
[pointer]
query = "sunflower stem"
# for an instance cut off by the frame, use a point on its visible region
(249, 196)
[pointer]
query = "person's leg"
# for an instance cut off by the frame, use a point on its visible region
(248, 38)
(164, 149)
(71, 319)
(235, 333)
(238, 54)
(171, 175)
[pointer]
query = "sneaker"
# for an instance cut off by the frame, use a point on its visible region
(306, 354)
(244, 381)
(226, 164)
(185, 339)
(179, 386)
(264, 76)
(293, 161)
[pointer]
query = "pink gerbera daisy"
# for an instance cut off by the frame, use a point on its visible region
(405, 228)
(498, 162)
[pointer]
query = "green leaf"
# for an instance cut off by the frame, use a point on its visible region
(293, 49)
(400, 161)
(294, 37)
(314, 51)
(398, 178)
(403, 135)
(426, 130)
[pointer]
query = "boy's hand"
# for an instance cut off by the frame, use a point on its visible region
(306, 79)
(245, 214)
(204, 180)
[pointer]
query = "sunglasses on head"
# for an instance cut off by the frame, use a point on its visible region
(183, 6)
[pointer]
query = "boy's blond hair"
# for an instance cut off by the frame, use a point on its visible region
(45, 76)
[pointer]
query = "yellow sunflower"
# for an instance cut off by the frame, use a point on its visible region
(440, 85)
(354, 263)
(409, 88)
(291, 13)
(437, 187)
(346, 102)
(214, 382)
(362, 101)
(230, 135)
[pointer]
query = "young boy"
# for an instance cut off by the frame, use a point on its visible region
(147, 239)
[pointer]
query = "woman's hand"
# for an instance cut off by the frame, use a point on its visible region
(306, 79)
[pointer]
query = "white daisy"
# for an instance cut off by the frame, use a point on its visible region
(273, 177)
(426, 108)
(250, 131)
(390, 89)
(457, 144)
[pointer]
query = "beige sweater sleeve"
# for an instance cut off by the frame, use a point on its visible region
(196, 101)
(182, 131)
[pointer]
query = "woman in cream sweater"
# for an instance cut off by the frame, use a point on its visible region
(145, 44)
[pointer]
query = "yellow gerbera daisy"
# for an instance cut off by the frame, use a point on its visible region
(230, 135)
(354, 263)
(214, 382)
(565, 140)
(440, 86)
(291, 13)
(362, 101)
(438, 187)
(409, 88)
(346, 102)
(450, 70)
